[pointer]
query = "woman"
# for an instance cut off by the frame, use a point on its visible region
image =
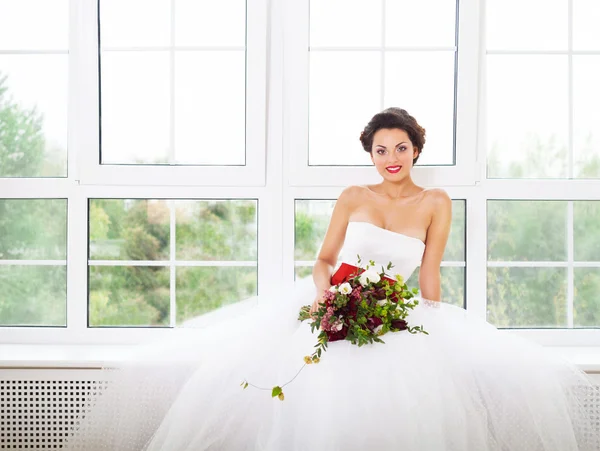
(464, 386)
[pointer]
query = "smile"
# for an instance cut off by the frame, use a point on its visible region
(393, 169)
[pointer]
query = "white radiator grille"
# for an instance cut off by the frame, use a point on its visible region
(37, 412)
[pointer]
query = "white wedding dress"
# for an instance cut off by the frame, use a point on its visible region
(465, 386)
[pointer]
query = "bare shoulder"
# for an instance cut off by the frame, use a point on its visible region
(353, 190)
(351, 193)
(438, 198)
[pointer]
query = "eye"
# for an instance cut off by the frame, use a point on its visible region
(402, 148)
(380, 151)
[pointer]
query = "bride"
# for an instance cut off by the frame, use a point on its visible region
(465, 386)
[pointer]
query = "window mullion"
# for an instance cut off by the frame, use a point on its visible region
(570, 270)
(77, 261)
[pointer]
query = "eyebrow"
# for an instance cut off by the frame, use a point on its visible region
(403, 142)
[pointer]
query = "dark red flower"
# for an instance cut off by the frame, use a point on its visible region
(338, 335)
(379, 293)
(399, 324)
(373, 322)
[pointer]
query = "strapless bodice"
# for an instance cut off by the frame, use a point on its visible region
(382, 246)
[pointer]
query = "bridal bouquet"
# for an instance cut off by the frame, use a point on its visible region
(361, 306)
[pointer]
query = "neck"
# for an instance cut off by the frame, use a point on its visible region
(404, 188)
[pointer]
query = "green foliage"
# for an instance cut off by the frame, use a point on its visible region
(202, 289)
(139, 230)
(587, 300)
(527, 297)
(33, 229)
(33, 295)
(312, 219)
(101, 222)
(22, 141)
(217, 230)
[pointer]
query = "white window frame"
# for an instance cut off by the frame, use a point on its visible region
(85, 121)
(283, 184)
(466, 170)
(262, 180)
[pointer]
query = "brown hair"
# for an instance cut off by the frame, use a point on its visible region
(394, 118)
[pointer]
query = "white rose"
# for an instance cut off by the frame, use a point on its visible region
(333, 289)
(369, 276)
(345, 288)
(378, 329)
(382, 302)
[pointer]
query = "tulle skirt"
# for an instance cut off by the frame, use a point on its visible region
(465, 386)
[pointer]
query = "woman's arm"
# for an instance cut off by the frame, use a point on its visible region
(334, 240)
(435, 244)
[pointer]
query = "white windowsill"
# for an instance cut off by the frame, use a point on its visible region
(95, 356)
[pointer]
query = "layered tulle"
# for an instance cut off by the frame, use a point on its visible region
(465, 386)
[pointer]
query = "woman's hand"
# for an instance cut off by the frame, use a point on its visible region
(315, 305)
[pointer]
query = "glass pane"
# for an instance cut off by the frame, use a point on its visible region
(527, 230)
(33, 115)
(203, 97)
(135, 23)
(586, 304)
(586, 220)
(349, 84)
(217, 230)
(135, 105)
(196, 292)
(527, 116)
(586, 115)
(345, 23)
(527, 25)
(311, 221)
(527, 297)
(585, 25)
(210, 23)
(407, 77)
(422, 23)
(456, 248)
(34, 24)
(303, 271)
(33, 229)
(33, 295)
(452, 281)
(128, 296)
(129, 229)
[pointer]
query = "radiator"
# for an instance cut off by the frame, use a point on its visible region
(39, 407)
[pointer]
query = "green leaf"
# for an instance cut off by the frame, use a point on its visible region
(276, 391)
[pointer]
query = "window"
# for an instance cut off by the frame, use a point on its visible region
(542, 90)
(161, 262)
(33, 259)
(181, 93)
(356, 58)
(156, 164)
(153, 218)
(541, 116)
(34, 57)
